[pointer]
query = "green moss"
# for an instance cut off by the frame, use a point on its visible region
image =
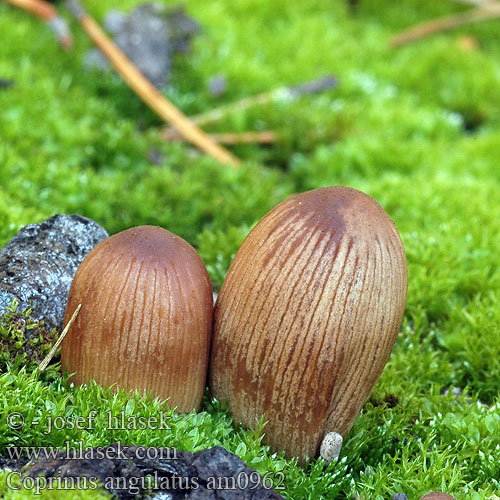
(24, 342)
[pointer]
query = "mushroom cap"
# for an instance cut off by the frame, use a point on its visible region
(437, 495)
(146, 317)
(307, 317)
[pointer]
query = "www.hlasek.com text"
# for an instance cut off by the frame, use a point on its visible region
(77, 451)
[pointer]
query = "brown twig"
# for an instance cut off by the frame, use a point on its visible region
(489, 10)
(231, 138)
(50, 355)
(281, 93)
(39, 8)
(147, 91)
(46, 11)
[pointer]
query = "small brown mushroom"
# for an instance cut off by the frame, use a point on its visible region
(307, 317)
(437, 495)
(146, 317)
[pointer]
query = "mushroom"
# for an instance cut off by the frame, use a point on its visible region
(437, 495)
(307, 317)
(146, 317)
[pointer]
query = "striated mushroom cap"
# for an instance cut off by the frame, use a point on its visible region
(307, 317)
(146, 317)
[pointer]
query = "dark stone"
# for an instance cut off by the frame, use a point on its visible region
(206, 475)
(217, 461)
(399, 496)
(38, 264)
(203, 493)
(5, 84)
(13, 464)
(149, 36)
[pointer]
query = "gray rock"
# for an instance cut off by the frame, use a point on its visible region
(38, 264)
(149, 36)
(399, 496)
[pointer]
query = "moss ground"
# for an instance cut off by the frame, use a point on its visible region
(416, 128)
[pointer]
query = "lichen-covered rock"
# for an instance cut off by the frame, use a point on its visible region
(38, 264)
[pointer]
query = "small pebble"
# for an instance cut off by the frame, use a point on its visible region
(156, 157)
(5, 84)
(217, 85)
(399, 496)
(331, 446)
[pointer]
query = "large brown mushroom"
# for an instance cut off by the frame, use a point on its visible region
(307, 317)
(146, 317)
